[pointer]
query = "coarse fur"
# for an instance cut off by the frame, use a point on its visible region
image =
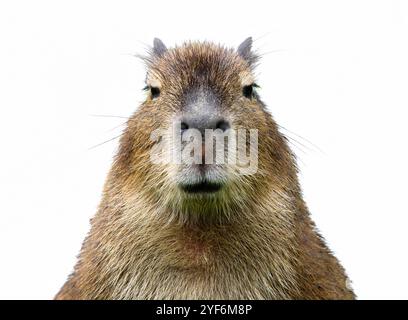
(253, 240)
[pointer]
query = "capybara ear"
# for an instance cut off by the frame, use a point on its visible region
(159, 48)
(245, 51)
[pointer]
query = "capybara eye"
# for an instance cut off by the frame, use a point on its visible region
(155, 92)
(248, 91)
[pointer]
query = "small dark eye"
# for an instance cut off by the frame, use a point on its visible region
(248, 91)
(155, 92)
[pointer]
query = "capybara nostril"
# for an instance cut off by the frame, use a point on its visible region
(223, 125)
(183, 126)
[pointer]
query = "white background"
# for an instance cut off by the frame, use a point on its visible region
(333, 72)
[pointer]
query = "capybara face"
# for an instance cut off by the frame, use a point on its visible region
(199, 138)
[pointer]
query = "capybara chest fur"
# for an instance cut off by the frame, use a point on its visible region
(181, 217)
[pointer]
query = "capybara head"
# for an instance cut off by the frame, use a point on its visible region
(202, 145)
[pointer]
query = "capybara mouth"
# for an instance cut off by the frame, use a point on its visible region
(201, 187)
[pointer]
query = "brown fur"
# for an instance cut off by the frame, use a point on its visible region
(257, 241)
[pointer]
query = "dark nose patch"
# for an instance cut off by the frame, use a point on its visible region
(204, 121)
(202, 110)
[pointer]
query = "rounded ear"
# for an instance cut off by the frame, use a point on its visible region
(159, 48)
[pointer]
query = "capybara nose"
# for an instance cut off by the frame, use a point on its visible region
(205, 121)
